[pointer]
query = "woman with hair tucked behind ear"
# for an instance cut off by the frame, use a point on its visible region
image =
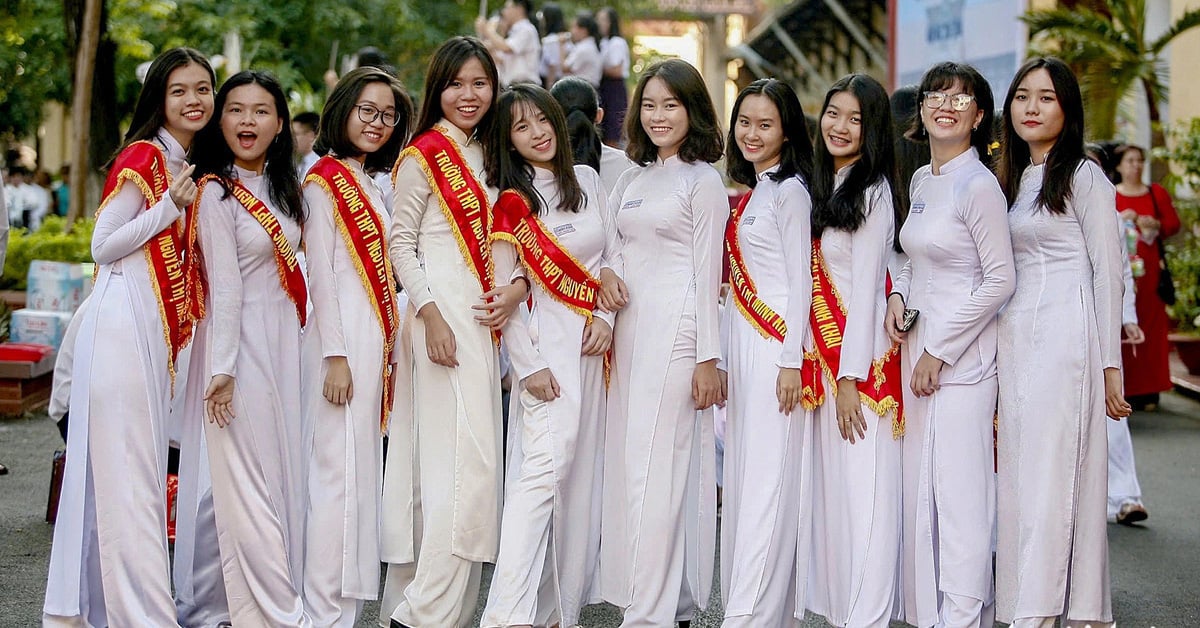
(109, 563)
(249, 213)
(1058, 359)
(959, 274)
(349, 357)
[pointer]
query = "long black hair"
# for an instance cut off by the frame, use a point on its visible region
(507, 170)
(211, 153)
(614, 22)
(796, 156)
(845, 208)
(1066, 154)
(552, 20)
(445, 64)
(943, 76)
(343, 103)
(703, 141)
(581, 104)
(587, 21)
(149, 113)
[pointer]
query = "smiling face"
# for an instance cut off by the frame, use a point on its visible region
(189, 102)
(249, 123)
(663, 117)
(1037, 116)
(758, 132)
(466, 99)
(947, 127)
(533, 136)
(368, 137)
(841, 129)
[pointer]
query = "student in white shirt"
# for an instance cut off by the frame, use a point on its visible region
(304, 129)
(518, 53)
(583, 57)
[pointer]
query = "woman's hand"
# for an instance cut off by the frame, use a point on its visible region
(218, 400)
(925, 375)
(183, 189)
(597, 337)
(1114, 399)
(724, 377)
(706, 385)
(893, 319)
(787, 389)
(1133, 334)
(543, 385)
(500, 303)
(614, 294)
(339, 386)
(439, 338)
(849, 410)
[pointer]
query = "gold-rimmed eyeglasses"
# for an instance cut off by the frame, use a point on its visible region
(958, 102)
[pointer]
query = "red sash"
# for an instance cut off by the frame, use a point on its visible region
(143, 164)
(290, 277)
(363, 233)
(464, 201)
(760, 315)
(553, 267)
(881, 392)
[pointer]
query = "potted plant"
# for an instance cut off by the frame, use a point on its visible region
(1183, 250)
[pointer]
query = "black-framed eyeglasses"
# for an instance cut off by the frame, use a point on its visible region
(958, 102)
(370, 113)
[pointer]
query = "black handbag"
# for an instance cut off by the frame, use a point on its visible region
(1166, 283)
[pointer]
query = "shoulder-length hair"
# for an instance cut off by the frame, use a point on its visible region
(795, 158)
(703, 141)
(587, 21)
(1066, 154)
(943, 76)
(845, 208)
(580, 103)
(444, 66)
(149, 114)
(552, 20)
(343, 105)
(506, 169)
(211, 153)
(1118, 154)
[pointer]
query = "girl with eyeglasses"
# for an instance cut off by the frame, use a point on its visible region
(958, 275)
(442, 483)
(349, 346)
(1058, 360)
(851, 539)
(109, 563)
(552, 219)
(247, 225)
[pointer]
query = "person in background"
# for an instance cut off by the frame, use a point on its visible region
(581, 105)
(614, 97)
(583, 59)
(62, 191)
(517, 54)
(304, 129)
(1148, 209)
(554, 43)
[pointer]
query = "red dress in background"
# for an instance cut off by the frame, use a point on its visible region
(1145, 365)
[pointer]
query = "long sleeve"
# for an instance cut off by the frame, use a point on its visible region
(123, 228)
(526, 359)
(409, 200)
(710, 209)
(321, 240)
(901, 268)
(794, 210)
(984, 211)
(1094, 205)
(218, 241)
(611, 259)
(1128, 296)
(870, 245)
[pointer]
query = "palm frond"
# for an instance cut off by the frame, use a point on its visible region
(1083, 26)
(1189, 20)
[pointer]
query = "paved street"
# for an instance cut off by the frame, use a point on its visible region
(1155, 567)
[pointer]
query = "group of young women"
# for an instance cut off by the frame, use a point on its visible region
(864, 357)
